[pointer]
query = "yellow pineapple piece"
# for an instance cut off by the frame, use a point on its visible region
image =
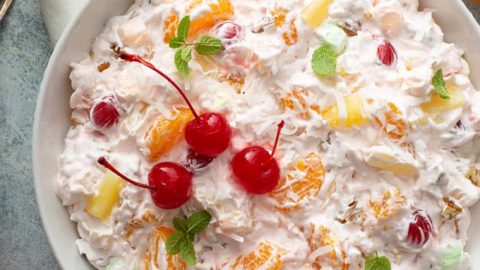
(351, 116)
(382, 158)
(316, 13)
(165, 133)
(101, 205)
(437, 105)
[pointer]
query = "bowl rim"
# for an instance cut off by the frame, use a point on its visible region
(59, 47)
(52, 62)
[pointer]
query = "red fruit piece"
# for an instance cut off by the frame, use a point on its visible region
(196, 161)
(170, 183)
(228, 32)
(387, 53)
(256, 169)
(209, 134)
(420, 228)
(105, 114)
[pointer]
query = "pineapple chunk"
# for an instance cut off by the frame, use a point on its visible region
(316, 13)
(437, 105)
(383, 158)
(101, 205)
(352, 116)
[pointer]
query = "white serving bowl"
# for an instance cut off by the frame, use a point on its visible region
(52, 115)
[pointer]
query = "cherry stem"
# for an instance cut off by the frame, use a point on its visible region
(280, 126)
(103, 161)
(136, 58)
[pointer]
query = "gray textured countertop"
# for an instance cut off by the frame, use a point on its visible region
(25, 49)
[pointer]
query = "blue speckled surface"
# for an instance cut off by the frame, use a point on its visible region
(25, 49)
(24, 52)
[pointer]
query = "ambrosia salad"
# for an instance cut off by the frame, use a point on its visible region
(375, 168)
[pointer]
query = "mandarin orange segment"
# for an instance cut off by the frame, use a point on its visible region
(165, 133)
(320, 237)
(218, 13)
(387, 204)
(156, 248)
(302, 183)
(290, 37)
(296, 100)
(279, 16)
(170, 25)
(392, 123)
(267, 256)
(147, 218)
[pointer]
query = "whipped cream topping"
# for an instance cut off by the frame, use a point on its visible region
(371, 176)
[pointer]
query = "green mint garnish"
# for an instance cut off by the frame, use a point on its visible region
(204, 45)
(180, 63)
(439, 85)
(207, 45)
(377, 263)
(181, 241)
(183, 27)
(324, 61)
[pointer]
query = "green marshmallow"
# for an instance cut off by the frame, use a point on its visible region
(334, 35)
(451, 258)
(115, 265)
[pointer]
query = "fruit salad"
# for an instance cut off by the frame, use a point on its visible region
(174, 159)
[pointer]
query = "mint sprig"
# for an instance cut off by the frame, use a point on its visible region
(181, 241)
(439, 85)
(324, 61)
(204, 45)
(377, 263)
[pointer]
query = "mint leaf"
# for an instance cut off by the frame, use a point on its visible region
(207, 45)
(198, 221)
(174, 242)
(180, 63)
(187, 53)
(180, 224)
(324, 61)
(187, 252)
(439, 85)
(183, 28)
(175, 42)
(377, 263)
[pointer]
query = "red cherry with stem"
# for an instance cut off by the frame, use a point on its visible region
(170, 183)
(104, 114)
(208, 134)
(420, 228)
(256, 169)
(387, 53)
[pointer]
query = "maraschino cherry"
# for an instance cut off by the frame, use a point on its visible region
(386, 53)
(105, 114)
(420, 228)
(209, 134)
(169, 183)
(256, 169)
